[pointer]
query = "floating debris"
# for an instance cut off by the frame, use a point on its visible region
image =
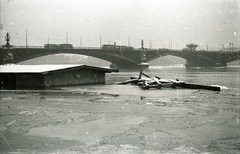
(147, 82)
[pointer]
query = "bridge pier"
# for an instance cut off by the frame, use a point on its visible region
(6, 56)
(202, 64)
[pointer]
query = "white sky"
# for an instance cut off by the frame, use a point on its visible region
(180, 21)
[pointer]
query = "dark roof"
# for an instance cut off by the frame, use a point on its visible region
(44, 69)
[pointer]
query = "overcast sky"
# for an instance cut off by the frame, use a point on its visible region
(125, 22)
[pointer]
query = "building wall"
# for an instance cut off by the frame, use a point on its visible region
(7, 81)
(74, 77)
(12, 81)
(55, 79)
(29, 81)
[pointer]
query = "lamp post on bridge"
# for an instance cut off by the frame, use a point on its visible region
(80, 41)
(66, 37)
(8, 54)
(48, 39)
(142, 43)
(7, 37)
(26, 40)
(170, 45)
(231, 46)
(150, 43)
(129, 41)
(207, 45)
(100, 40)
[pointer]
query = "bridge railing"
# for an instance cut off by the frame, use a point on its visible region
(41, 47)
(87, 48)
(29, 47)
(145, 49)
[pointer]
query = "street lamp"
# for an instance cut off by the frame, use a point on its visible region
(100, 40)
(67, 37)
(26, 39)
(230, 46)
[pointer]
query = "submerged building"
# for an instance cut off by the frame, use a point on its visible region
(49, 76)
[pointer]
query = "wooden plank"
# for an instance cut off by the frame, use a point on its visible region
(196, 86)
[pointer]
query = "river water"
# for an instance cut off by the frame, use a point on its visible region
(227, 78)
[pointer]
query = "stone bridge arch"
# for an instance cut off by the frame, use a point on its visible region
(193, 58)
(198, 60)
(128, 58)
(164, 59)
(117, 60)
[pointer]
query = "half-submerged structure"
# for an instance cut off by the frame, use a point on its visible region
(49, 76)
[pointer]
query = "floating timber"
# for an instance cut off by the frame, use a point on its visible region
(147, 82)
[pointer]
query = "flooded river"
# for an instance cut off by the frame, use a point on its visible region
(227, 78)
(115, 118)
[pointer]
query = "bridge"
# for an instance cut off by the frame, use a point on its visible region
(124, 58)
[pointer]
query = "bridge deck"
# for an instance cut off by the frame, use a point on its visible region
(125, 58)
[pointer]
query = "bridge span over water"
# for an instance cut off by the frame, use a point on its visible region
(125, 58)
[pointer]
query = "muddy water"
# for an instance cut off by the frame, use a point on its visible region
(227, 78)
(164, 121)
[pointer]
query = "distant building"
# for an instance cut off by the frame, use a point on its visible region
(48, 76)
